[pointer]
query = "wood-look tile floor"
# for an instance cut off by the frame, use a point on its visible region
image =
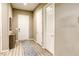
(19, 51)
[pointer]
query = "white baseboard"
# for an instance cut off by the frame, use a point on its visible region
(4, 51)
(43, 47)
(26, 39)
(34, 40)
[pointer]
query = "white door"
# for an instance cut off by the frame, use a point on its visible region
(50, 28)
(39, 26)
(23, 27)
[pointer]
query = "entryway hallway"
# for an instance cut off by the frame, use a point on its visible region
(26, 48)
(27, 29)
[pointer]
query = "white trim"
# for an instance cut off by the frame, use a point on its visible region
(4, 51)
(25, 39)
(43, 47)
(54, 30)
(1, 26)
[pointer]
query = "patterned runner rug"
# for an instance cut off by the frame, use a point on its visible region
(28, 49)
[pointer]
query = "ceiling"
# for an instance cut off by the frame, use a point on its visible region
(28, 6)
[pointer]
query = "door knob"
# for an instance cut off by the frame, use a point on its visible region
(19, 29)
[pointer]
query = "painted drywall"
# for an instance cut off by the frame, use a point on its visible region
(67, 29)
(17, 12)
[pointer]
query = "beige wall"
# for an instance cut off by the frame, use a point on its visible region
(67, 29)
(16, 12)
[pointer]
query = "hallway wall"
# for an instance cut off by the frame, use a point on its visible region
(67, 29)
(16, 12)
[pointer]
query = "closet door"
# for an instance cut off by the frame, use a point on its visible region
(49, 41)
